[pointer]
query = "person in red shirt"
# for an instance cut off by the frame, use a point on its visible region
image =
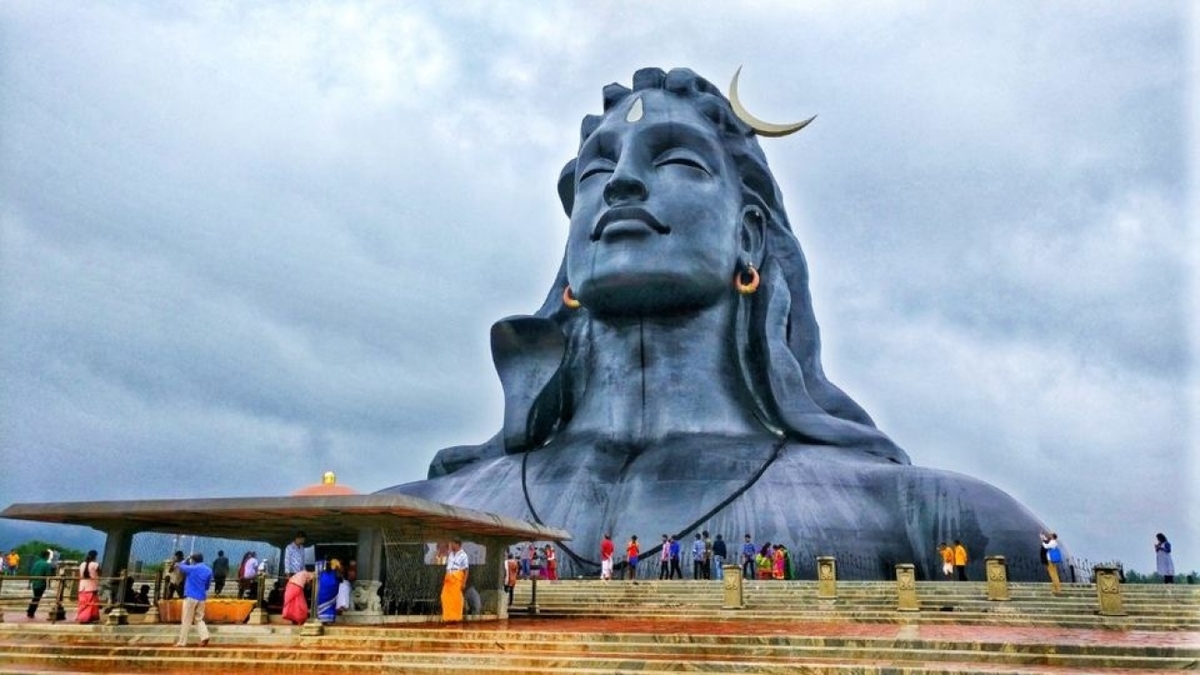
(631, 553)
(606, 557)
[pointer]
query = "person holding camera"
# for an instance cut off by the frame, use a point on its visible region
(1053, 556)
(196, 578)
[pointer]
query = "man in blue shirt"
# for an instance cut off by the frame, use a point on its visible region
(748, 552)
(675, 553)
(196, 577)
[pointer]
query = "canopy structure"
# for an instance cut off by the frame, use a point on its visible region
(273, 519)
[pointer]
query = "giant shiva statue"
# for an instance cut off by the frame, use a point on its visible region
(672, 382)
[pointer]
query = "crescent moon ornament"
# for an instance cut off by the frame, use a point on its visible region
(759, 126)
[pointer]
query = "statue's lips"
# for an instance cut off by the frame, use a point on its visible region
(627, 220)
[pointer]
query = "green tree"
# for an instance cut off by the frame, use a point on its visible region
(30, 550)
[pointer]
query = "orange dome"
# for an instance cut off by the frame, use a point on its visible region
(328, 487)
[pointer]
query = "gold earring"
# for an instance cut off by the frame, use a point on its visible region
(746, 287)
(569, 300)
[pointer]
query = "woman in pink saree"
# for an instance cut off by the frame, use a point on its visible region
(89, 589)
(295, 604)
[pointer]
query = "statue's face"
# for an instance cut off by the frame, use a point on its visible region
(654, 227)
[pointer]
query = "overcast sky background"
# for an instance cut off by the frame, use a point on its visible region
(244, 243)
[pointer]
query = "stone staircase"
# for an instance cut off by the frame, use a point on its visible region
(1147, 607)
(678, 626)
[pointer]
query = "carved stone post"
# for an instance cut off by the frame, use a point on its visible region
(258, 615)
(732, 582)
(313, 626)
(152, 613)
(826, 577)
(997, 578)
(906, 588)
(66, 573)
(1108, 588)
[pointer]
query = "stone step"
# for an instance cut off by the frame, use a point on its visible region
(1114, 623)
(539, 653)
(733, 638)
(543, 652)
(559, 646)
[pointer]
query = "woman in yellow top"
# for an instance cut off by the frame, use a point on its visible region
(762, 561)
(960, 560)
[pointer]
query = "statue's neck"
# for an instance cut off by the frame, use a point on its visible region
(650, 378)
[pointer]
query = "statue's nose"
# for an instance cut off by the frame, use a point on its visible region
(622, 188)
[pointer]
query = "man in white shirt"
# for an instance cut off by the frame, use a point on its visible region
(457, 569)
(293, 555)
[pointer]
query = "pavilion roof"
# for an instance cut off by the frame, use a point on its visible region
(326, 518)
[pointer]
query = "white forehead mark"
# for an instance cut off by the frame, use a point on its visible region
(635, 111)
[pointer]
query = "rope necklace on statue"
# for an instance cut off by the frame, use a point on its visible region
(778, 447)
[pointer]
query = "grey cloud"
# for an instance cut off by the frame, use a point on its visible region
(273, 237)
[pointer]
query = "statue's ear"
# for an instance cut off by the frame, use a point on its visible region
(753, 234)
(566, 187)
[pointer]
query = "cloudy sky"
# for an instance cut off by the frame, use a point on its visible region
(243, 243)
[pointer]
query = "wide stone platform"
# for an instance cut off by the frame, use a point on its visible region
(659, 627)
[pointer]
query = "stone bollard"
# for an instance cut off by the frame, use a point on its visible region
(997, 578)
(1108, 587)
(826, 577)
(906, 588)
(734, 596)
(258, 615)
(533, 606)
(66, 570)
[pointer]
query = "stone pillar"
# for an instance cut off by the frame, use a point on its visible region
(826, 577)
(488, 579)
(997, 578)
(732, 583)
(906, 588)
(1108, 588)
(370, 554)
(117, 543)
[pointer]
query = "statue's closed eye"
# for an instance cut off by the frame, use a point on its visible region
(683, 160)
(594, 169)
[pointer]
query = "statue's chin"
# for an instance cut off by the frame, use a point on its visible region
(648, 295)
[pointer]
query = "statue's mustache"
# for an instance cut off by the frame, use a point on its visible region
(620, 213)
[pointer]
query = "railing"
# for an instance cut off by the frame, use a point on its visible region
(62, 590)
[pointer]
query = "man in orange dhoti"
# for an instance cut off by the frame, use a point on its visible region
(457, 568)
